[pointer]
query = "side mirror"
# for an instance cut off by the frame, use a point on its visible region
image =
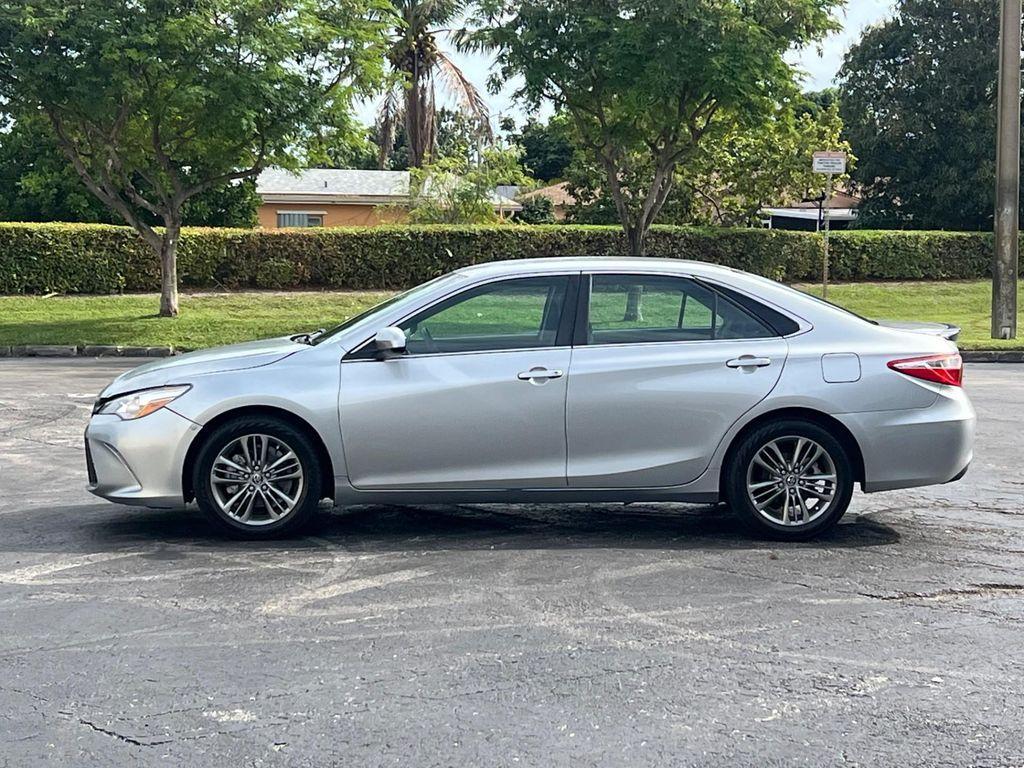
(389, 341)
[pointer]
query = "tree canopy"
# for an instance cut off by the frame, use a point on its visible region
(458, 190)
(729, 180)
(418, 64)
(157, 101)
(38, 184)
(547, 147)
(647, 81)
(918, 101)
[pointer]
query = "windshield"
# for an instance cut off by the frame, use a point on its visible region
(377, 308)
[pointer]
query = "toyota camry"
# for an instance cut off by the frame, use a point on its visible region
(548, 380)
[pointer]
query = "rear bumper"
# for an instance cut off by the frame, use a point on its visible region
(912, 448)
(138, 462)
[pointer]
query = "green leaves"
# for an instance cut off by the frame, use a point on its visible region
(455, 190)
(918, 103)
(156, 101)
(647, 81)
(88, 258)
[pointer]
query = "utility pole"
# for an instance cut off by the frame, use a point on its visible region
(1007, 218)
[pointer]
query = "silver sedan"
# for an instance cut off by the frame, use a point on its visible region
(551, 380)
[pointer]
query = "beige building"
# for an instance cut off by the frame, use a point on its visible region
(329, 197)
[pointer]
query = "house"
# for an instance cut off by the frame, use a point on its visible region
(559, 196)
(807, 215)
(330, 197)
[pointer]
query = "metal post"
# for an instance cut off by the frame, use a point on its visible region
(1007, 215)
(825, 216)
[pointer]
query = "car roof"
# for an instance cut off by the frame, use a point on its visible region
(602, 263)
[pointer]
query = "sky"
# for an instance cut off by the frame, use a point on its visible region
(820, 63)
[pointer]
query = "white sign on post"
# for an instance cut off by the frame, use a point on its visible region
(833, 163)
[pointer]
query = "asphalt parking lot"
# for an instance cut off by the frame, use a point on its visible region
(497, 636)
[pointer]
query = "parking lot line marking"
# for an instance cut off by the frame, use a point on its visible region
(33, 573)
(296, 603)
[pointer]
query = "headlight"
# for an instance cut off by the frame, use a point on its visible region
(144, 402)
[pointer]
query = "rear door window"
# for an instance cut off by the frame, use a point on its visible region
(641, 309)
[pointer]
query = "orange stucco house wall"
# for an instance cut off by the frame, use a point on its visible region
(335, 214)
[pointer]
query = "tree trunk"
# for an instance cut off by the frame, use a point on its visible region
(418, 117)
(169, 271)
(634, 299)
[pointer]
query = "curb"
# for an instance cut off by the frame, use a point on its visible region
(993, 356)
(87, 350)
(105, 350)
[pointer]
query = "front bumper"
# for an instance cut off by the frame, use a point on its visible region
(139, 462)
(916, 447)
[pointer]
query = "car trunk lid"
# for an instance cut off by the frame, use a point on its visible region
(943, 330)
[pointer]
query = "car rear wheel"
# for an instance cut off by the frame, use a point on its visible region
(257, 478)
(790, 480)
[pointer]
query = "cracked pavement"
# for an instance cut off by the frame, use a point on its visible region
(493, 635)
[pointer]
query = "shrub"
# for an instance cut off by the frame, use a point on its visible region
(95, 258)
(537, 210)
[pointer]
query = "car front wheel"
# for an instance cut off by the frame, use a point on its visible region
(257, 477)
(790, 480)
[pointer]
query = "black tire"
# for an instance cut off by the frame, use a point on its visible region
(307, 499)
(735, 480)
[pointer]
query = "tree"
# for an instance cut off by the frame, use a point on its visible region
(417, 63)
(455, 190)
(38, 184)
(547, 147)
(646, 81)
(234, 204)
(733, 178)
(157, 101)
(536, 210)
(917, 98)
(342, 143)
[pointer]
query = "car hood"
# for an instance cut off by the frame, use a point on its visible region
(945, 330)
(177, 370)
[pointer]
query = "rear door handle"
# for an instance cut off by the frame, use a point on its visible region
(540, 373)
(749, 361)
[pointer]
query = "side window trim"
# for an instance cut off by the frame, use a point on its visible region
(581, 335)
(768, 316)
(364, 351)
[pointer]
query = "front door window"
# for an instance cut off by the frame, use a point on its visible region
(511, 314)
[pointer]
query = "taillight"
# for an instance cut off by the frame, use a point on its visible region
(941, 369)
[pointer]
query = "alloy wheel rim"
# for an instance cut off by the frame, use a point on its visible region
(792, 481)
(257, 479)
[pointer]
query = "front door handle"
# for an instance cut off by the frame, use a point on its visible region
(749, 361)
(540, 373)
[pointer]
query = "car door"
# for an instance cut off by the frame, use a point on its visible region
(662, 368)
(476, 401)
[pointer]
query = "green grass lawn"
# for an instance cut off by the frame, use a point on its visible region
(206, 319)
(965, 303)
(211, 319)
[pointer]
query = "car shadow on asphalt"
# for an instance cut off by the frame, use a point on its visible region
(407, 528)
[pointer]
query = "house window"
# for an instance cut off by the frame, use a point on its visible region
(299, 219)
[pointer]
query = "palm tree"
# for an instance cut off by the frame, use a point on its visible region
(419, 62)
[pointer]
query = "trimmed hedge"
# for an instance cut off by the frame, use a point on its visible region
(93, 258)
